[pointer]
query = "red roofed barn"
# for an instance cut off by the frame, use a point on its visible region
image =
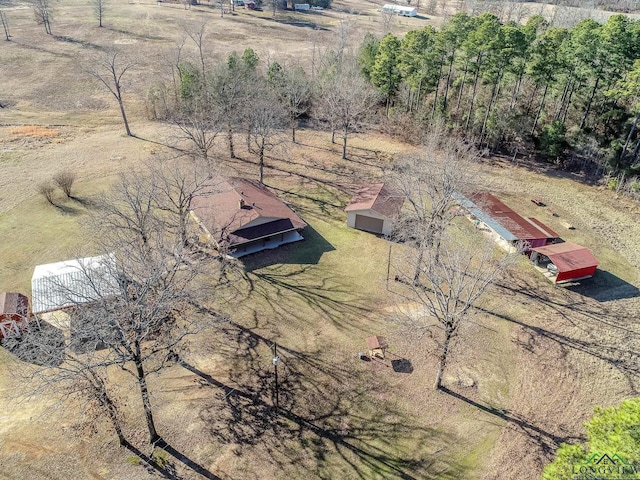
(373, 209)
(571, 261)
(244, 217)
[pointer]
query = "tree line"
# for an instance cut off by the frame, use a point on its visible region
(236, 98)
(572, 94)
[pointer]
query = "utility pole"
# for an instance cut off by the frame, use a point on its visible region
(276, 360)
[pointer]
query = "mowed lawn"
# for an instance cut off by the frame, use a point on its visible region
(318, 299)
(36, 232)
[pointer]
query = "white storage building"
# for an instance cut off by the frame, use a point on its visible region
(400, 10)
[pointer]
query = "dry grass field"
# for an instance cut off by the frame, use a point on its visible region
(524, 376)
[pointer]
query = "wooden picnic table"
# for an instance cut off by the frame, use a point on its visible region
(377, 346)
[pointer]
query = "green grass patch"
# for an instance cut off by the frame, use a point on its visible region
(37, 232)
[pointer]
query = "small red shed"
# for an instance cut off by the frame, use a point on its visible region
(572, 261)
(14, 314)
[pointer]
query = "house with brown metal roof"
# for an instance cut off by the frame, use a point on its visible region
(241, 216)
(374, 208)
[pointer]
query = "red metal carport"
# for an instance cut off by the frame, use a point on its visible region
(14, 314)
(574, 261)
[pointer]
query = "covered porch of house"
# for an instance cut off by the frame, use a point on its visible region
(265, 243)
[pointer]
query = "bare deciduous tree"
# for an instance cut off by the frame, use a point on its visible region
(177, 185)
(65, 369)
(447, 266)
(230, 90)
(200, 127)
(429, 182)
(43, 11)
(65, 181)
(293, 89)
(387, 21)
(452, 279)
(266, 120)
(5, 25)
(109, 69)
(197, 36)
(99, 7)
(345, 98)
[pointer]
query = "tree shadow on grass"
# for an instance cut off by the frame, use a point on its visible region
(196, 467)
(322, 204)
(570, 304)
(135, 35)
(75, 41)
(605, 331)
(167, 471)
(40, 49)
(165, 468)
(547, 441)
(284, 289)
(269, 165)
(162, 144)
(605, 287)
(368, 157)
(298, 23)
(625, 359)
(87, 203)
(313, 424)
(68, 210)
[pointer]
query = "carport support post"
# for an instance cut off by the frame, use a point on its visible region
(389, 265)
(276, 360)
(5, 25)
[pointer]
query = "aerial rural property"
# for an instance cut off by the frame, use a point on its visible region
(338, 239)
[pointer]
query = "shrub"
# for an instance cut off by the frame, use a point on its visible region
(47, 190)
(65, 180)
(612, 184)
(160, 457)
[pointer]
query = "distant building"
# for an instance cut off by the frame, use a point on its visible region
(400, 10)
(243, 216)
(374, 208)
(517, 231)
